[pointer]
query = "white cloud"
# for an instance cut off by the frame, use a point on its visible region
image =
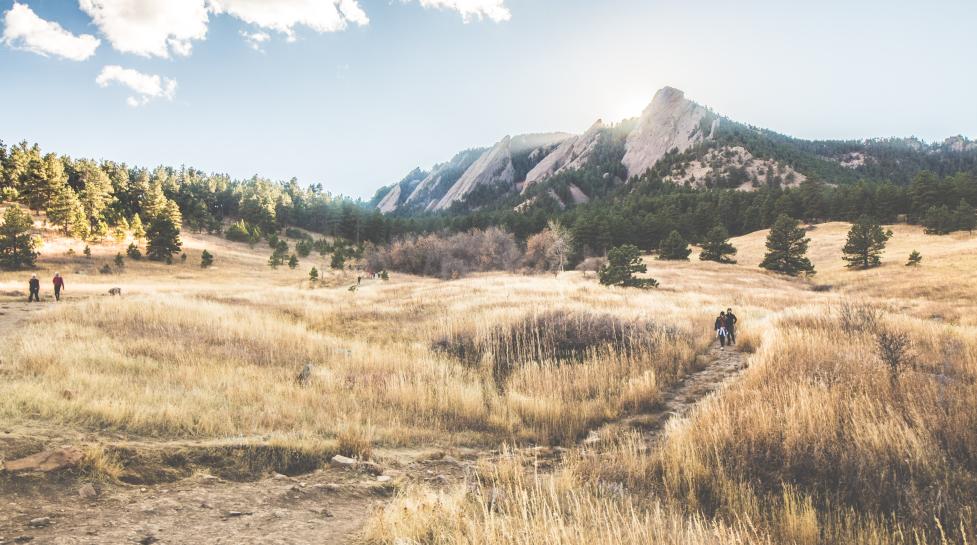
(473, 9)
(23, 29)
(149, 27)
(284, 15)
(146, 86)
(256, 39)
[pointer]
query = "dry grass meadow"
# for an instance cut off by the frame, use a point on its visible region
(818, 441)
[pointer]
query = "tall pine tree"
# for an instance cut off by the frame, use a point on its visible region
(866, 240)
(163, 235)
(787, 248)
(674, 248)
(17, 245)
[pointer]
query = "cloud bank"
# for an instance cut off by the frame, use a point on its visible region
(23, 29)
(146, 87)
(473, 9)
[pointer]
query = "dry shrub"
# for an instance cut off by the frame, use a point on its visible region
(355, 440)
(448, 256)
(858, 317)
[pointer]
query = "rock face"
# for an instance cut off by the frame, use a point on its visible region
(496, 165)
(572, 154)
(390, 202)
(669, 122)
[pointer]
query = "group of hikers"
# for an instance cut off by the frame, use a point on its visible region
(726, 328)
(35, 288)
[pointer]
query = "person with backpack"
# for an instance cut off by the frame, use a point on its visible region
(58, 286)
(731, 320)
(35, 290)
(721, 331)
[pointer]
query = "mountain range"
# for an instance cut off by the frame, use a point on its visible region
(684, 142)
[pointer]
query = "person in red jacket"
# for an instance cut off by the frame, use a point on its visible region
(58, 285)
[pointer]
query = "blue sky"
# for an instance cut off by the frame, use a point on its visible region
(357, 108)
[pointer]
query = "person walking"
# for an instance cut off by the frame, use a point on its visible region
(35, 290)
(731, 320)
(721, 330)
(58, 286)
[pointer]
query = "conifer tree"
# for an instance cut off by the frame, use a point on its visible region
(314, 275)
(623, 263)
(939, 220)
(138, 231)
(293, 262)
(716, 246)
(964, 216)
(787, 248)
(915, 258)
(206, 259)
(866, 240)
(674, 248)
(64, 210)
(17, 245)
(163, 235)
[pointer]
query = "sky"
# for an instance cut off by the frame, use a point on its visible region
(353, 94)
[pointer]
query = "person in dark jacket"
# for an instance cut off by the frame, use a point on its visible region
(58, 285)
(721, 330)
(731, 326)
(35, 289)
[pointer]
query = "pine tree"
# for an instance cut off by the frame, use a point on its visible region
(138, 231)
(964, 216)
(17, 245)
(95, 195)
(314, 275)
(163, 235)
(338, 260)
(939, 220)
(206, 259)
(866, 240)
(622, 264)
(293, 262)
(120, 261)
(279, 255)
(133, 252)
(716, 247)
(787, 248)
(674, 248)
(915, 258)
(64, 210)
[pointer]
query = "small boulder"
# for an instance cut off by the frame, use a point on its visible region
(343, 461)
(384, 478)
(88, 491)
(40, 522)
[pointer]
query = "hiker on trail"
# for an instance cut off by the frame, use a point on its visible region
(721, 331)
(35, 290)
(58, 286)
(731, 326)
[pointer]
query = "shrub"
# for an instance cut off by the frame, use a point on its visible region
(133, 252)
(447, 256)
(206, 259)
(106, 269)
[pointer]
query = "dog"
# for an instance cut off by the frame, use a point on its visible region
(115, 291)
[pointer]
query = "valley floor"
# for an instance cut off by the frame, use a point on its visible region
(183, 396)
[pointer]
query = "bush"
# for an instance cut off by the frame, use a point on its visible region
(106, 269)
(448, 256)
(206, 259)
(133, 251)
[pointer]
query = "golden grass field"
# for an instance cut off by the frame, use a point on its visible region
(814, 443)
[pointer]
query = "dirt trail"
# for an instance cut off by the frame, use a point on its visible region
(327, 506)
(725, 365)
(13, 313)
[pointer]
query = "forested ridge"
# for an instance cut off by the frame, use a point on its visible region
(901, 180)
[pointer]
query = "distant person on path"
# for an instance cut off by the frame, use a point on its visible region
(721, 331)
(731, 326)
(58, 286)
(35, 290)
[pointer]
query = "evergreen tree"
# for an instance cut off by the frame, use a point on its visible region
(915, 258)
(163, 235)
(17, 245)
(787, 248)
(133, 252)
(138, 231)
(293, 262)
(64, 210)
(206, 259)
(338, 260)
(314, 275)
(120, 261)
(965, 217)
(866, 240)
(87, 251)
(622, 264)
(95, 194)
(716, 246)
(939, 220)
(279, 255)
(674, 248)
